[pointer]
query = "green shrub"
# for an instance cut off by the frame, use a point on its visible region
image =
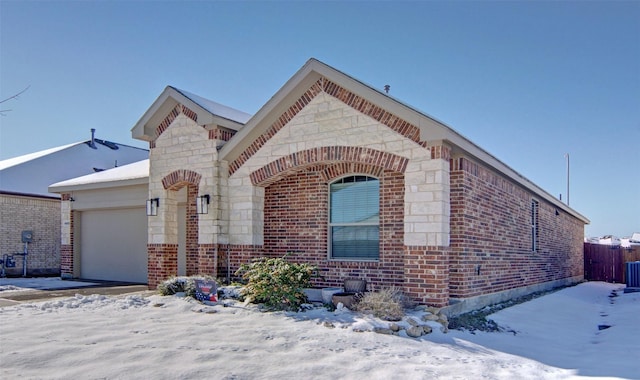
(276, 282)
(387, 304)
(181, 284)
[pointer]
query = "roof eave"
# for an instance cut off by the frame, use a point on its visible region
(62, 188)
(145, 128)
(431, 129)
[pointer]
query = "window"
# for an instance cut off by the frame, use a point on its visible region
(354, 215)
(534, 225)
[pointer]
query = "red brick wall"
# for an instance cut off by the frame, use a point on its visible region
(192, 248)
(491, 235)
(426, 272)
(296, 217)
(162, 263)
(207, 260)
(66, 260)
(232, 256)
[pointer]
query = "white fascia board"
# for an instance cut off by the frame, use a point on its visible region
(59, 189)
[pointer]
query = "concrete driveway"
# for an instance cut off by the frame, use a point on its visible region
(18, 290)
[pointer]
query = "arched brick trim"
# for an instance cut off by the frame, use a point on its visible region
(338, 170)
(397, 124)
(177, 110)
(351, 157)
(178, 178)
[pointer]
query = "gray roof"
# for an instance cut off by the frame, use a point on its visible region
(208, 113)
(136, 173)
(216, 108)
(32, 173)
(430, 128)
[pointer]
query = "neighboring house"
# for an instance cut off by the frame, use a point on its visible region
(335, 173)
(27, 205)
(633, 241)
(609, 240)
(109, 224)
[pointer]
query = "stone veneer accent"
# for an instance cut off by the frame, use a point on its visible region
(446, 223)
(173, 114)
(184, 154)
(329, 131)
(350, 99)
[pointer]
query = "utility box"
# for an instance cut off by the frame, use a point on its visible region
(633, 275)
(27, 236)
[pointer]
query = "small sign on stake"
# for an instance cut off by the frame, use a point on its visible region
(206, 290)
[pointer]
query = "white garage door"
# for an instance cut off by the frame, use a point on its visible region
(113, 245)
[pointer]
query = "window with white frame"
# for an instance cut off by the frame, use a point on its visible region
(534, 225)
(354, 218)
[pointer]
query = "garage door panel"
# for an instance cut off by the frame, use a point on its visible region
(113, 245)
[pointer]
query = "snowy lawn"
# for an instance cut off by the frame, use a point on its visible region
(557, 336)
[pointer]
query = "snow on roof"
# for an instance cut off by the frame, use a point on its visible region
(9, 162)
(136, 170)
(217, 108)
(31, 174)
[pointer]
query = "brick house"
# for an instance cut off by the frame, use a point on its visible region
(338, 174)
(27, 205)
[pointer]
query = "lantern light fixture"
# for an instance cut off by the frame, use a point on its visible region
(202, 204)
(152, 206)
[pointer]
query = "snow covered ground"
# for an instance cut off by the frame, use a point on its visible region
(152, 337)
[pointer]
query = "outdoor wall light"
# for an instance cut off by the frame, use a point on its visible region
(202, 204)
(152, 206)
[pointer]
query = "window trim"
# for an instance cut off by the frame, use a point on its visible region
(330, 225)
(535, 225)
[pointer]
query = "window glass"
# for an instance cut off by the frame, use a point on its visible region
(354, 218)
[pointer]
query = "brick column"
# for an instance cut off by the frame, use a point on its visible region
(192, 249)
(426, 271)
(208, 260)
(162, 262)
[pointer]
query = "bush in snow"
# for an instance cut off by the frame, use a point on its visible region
(181, 284)
(387, 304)
(276, 282)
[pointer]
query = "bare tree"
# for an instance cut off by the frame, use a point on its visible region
(16, 96)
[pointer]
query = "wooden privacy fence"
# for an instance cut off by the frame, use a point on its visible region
(607, 263)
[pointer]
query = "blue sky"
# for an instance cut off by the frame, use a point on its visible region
(527, 81)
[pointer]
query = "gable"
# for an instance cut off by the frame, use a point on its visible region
(173, 101)
(316, 77)
(323, 85)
